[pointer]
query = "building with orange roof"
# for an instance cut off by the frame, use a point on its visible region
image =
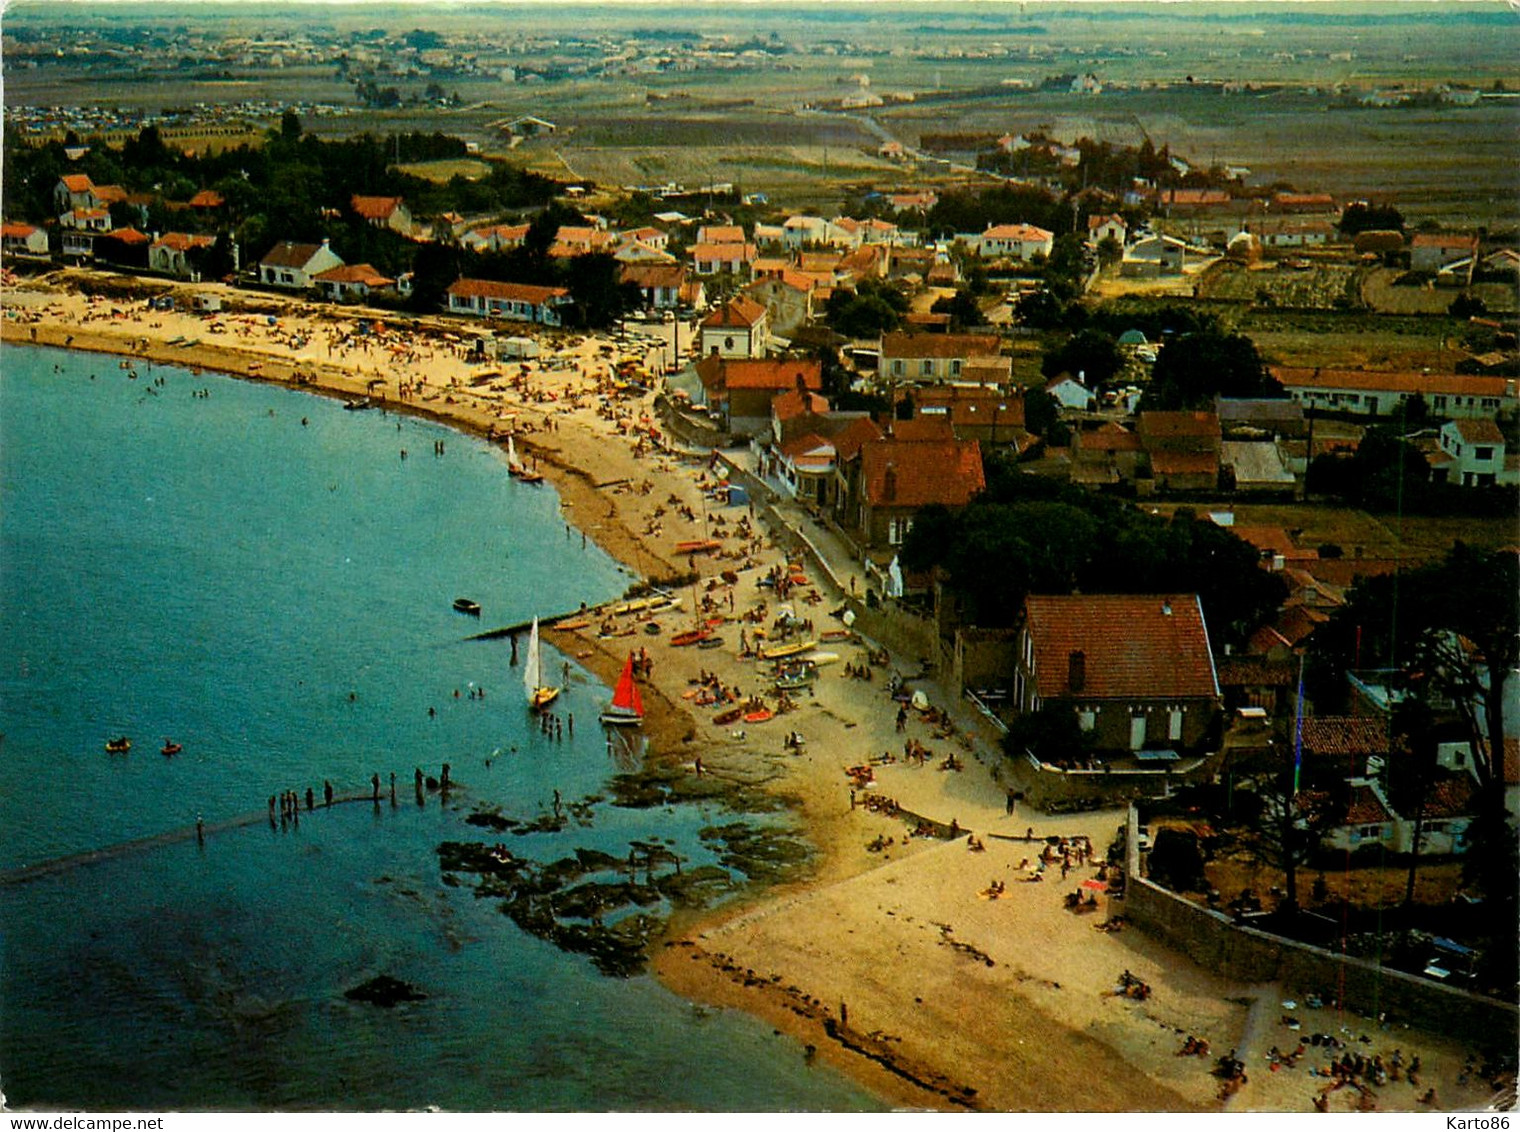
(740, 390)
(931, 358)
(383, 212)
(1015, 241)
(740, 328)
(170, 253)
(1182, 449)
(1379, 392)
(660, 284)
(1136, 669)
(17, 238)
(888, 480)
(715, 259)
(519, 302)
(351, 282)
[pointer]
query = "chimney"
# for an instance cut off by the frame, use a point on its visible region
(889, 484)
(1076, 670)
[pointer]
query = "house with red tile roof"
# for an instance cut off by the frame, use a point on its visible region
(1378, 392)
(519, 302)
(208, 199)
(170, 252)
(351, 282)
(787, 297)
(1432, 251)
(1182, 449)
(1102, 227)
(662, 285)
(293, 266)
(931, 358)
(495, 238)
(714, 259)
(1014, 241)
(741, 390)
(991, 416)
(720, 234)
(1367, 821)
(740, 328)
(17, 238)
(1105, 455)
(894, 477)
(1136, 669)
(383, 212)
(74, 190)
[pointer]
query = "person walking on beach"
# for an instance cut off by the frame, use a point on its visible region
(311, 800)
(374, 781)
(327, 793)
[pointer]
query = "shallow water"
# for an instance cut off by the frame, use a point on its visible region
(275, 596)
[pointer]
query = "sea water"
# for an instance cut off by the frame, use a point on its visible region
(267, 580)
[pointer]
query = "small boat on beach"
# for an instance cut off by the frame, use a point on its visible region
(724, 718)
(710, 643)
(698, 546)
(465, 605)
(759, 716)
(118, 746)
(690, 637)
(356, 406)
(789, 648)
(627, 707)
(837, 635)
(170, 747)
(540, 695)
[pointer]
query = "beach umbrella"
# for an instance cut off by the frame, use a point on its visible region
(1095, 885)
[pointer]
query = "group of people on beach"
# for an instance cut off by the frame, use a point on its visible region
(289, 802)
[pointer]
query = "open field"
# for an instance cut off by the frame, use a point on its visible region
(1320, 287)
(446, 170)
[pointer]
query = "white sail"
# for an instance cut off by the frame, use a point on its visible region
(512, 462)
(531, 665)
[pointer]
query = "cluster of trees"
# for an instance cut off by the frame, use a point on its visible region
(874, 307)
(1386, 473)
(1025, 534)
(1100, 165)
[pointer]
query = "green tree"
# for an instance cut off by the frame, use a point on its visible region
(597, 298)
(1093, 355)
(962, 309)
(1191, 369)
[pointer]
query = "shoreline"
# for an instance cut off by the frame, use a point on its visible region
(883, 960)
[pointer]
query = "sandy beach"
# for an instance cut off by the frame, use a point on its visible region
(898, 960)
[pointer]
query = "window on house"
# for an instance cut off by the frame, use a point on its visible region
(1174, 724)
(1483, 452)
(1490, 402)
(926, 367)
(728, 343)
(1137, 731)
(1439, 402)
(1372, 831)
(955, 367)
(1087, 719)
(898, 368)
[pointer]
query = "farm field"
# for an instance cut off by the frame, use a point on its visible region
(1275, 284)
(1382, 291)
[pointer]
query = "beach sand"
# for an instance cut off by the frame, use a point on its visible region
(887, 962)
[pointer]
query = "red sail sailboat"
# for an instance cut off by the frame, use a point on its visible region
(627, 707)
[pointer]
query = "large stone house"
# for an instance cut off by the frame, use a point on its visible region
(740, 390)
(893, 478)
(930, 358)
(1136, 670)
(170, 252)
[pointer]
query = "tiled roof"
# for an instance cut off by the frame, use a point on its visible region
(1298, 621)
(15, 230)
(808, 450)
(1391, 381)
(1451, 797)
(895, 473)
(1479, 432)
(287, 254)
(1443, 240)
(1107, 437)
(720, 234)
(110, 194)
(127, 236)
(1017, 232)
(771, 373)
(1161, 425)
(77, 182)
(183, 241)
(971, 407)
(354, 273)
(736, 312)
(1366, 808)
(207, 198)
(853, 438)
(1256, 671)
(1184, 463)
(1150, 646)
(898, 345)
(514, 292)
(1275, 539)
(734, 253)
(920, 429)
(374, 208)
(653, 274)
(1353, 735)
(792, 403)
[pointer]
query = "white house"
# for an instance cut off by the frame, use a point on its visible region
(351, 281)
(23, 239)
(1100, 228)
(740, 328)
(1378, 392)
(1476, 455)
(1069, 393)
(1019, 241)
(800, 231)
(522, 302)
(712, 259)
(293, 266)
(498, 237)
(168, 253)
(383, 212)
